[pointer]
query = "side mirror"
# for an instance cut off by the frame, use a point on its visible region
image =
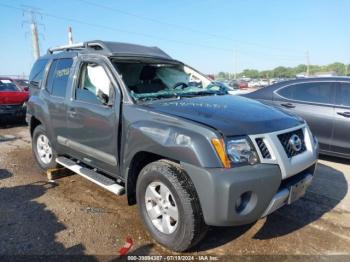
(104, 98)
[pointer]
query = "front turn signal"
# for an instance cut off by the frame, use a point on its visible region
(219, 146)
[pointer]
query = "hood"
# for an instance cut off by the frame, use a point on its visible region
(231, 115)
(13, 98)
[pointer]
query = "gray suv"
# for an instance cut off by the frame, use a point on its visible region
(130, 118)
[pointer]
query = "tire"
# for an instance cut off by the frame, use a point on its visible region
(50, 162)
(189, 228)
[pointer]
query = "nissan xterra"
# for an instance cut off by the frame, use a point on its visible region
(130, 118)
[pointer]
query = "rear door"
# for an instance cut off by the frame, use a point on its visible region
(93, 116)
(341, 137)
(313, 101)
(54, 93)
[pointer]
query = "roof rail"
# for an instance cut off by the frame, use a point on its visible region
(65, 47)
(98, 45)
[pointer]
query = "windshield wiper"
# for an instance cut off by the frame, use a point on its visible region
(159, 96)
(202, 93)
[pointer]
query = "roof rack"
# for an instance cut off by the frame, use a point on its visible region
(97, 45)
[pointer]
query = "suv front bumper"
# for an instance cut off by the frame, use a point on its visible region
(242, 195)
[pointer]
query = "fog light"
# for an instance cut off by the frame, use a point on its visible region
(245, 203)
(242, 201)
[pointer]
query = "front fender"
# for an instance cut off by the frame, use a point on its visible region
(171, 137)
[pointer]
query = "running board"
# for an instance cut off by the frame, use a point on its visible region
(91, 175)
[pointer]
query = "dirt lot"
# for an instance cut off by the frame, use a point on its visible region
(73, 216)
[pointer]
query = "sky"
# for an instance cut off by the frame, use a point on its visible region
(210, 35)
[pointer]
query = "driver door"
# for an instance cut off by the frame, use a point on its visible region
(93, 116)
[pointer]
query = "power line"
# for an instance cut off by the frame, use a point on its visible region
(74, 20)
(182, 27)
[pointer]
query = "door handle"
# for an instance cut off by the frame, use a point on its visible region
(72, 113)
(344, 114)
(288, 105)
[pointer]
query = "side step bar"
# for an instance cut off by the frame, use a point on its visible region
(91, 175)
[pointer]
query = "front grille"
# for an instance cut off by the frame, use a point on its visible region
(263, 149)
(288, 148)
(10, 107)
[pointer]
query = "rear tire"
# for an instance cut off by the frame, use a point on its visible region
(176, 220)
(44, 153)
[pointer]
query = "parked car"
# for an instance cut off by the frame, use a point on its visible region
(323, 102)
(264, 82)
(130, 118)
(254, 83)
(242, 84)
(21, 83)
(229, 89)
(12, 99)
(238, 84)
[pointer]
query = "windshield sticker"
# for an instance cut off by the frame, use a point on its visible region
(62, 72)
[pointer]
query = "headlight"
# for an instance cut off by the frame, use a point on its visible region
(239, 151)
(235, 152)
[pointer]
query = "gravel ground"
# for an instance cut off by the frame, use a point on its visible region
(74, 216)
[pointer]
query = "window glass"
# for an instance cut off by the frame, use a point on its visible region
(343, 97)
(50, 76)
(318, 92)
(37, 71)
(94, 85)
(286, 92)
(61, 76)
(7, 85)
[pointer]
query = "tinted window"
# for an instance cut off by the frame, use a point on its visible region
(94, 85)
(286, 92)
(50, 76)
(37, 71)
(60, 77)
(319, 92)
(343, 97)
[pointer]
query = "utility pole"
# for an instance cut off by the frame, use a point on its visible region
(33, 30)
(236, 64)
(70, 36)
(35, 38)
(307, 63)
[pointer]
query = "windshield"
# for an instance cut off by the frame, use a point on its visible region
(147, 81)
(7, 85)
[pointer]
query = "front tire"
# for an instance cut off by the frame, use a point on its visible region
(169, 206)
(44, 153)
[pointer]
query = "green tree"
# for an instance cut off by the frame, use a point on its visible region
(251, 73)
(337, 67)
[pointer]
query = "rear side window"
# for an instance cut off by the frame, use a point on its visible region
(51, 76)
(37, 72)
(58, 77)
(343, 96)
(318, 92)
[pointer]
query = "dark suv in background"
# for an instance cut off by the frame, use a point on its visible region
(323, 102)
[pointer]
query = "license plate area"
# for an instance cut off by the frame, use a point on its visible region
(298, 190)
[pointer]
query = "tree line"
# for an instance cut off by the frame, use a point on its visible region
(340, 69)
